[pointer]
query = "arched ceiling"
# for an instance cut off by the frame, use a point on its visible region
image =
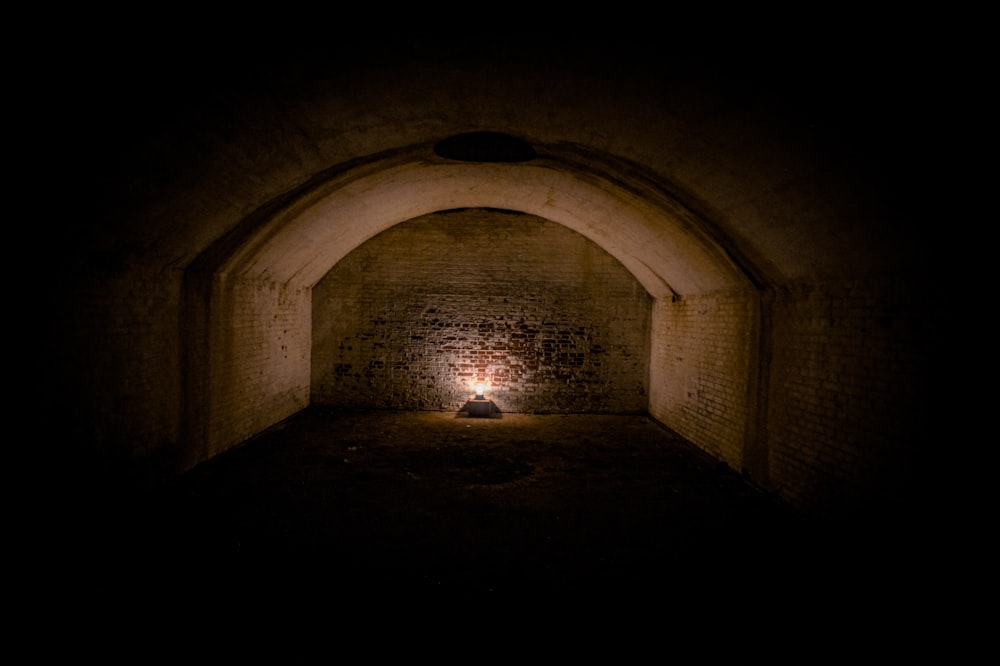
(659, 242)
(181, 158)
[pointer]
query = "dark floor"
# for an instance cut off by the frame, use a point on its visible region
(405, 505)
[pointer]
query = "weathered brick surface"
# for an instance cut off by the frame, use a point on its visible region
(260, 359)
(847, 386)
(413, 318)
(700, 364)
(119, 358)
(551, 322)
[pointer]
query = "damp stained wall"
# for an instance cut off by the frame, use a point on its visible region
(416, 316)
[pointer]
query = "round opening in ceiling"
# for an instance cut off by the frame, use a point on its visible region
(485, 147)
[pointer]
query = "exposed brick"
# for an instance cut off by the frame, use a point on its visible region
(846, 389)
(413, 318)
(700, 362)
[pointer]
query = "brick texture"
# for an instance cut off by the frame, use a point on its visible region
(260, 359)
(700, 365)
(415, 317)
(847, 390)
(118, 352)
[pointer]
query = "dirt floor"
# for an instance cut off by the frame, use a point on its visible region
(406, 505)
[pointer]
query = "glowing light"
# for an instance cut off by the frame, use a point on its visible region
(480, 389)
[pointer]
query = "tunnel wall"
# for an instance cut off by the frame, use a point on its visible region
(700, 370)
(115, 380)
(258, 368)
(846, 415)
(172, 171)
(415, 316)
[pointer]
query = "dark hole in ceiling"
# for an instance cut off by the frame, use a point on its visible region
(485, 147)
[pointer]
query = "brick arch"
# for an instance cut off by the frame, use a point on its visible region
(654, 237)
(248, 300)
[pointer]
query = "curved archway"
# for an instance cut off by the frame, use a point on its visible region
(661, 242)
(259, 284)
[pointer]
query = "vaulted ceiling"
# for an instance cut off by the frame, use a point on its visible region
(777, 169)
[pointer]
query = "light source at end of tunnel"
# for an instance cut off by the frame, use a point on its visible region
(479, 406)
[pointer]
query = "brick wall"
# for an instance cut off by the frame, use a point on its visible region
(117, 356)
(847, 388)
(548, 320)
(700, 363)
(260, 359)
